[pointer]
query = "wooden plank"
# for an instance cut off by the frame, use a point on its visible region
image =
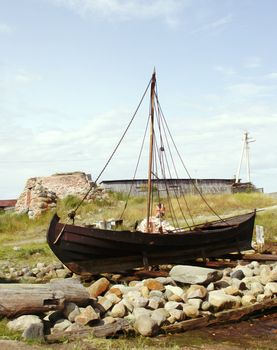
(239, 313)
(220, 317)
(260, 257)
(186, 325)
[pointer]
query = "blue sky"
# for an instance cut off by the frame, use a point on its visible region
(73, 71)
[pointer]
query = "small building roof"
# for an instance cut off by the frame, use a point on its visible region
(6, 203)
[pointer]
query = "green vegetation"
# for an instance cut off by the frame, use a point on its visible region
(22, 240)
(268, 219)
(5, 333)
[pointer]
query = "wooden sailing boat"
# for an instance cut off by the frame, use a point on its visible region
(93, 250)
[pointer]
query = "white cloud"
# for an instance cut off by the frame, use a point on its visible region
(5, 28)
(215, 25)
(252, 62)
(228, 71)
(248, 89)
(26, 77)
(272, 75)
(127, 9)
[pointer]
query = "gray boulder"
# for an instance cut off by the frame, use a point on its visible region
(194, 275)
(146, 326)
(34, 331)
(160, 315)
(21, 323)
(219, 300)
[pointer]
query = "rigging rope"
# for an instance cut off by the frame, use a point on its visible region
(73, 213)
(140, 152)
(178, 153)
(160, 124)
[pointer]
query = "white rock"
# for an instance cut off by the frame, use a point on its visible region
(156, 293)
(172, 305)
(205, 306)
(231, 290)
(109, 320)
(175, 290)
(154, 303)
(265, 274)
(248, 300)
(273, 274)
(254, 264)
(272, 287)
(69, 307)
(23, 322)
(105, 303)
(194, 274)
(146, 326)
(256, 288)
(219, 300)
(119, 310)
(262, 297)
(190, 311)
(177, 314)
(114, 299)
(195, 302)
(210, 287)
(160, 315)
(61, 325)
(128, 305)
(196, 291)
(166, 280)
(140, 311)
(139, 302)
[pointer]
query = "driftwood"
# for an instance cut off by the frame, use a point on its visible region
(219, 317)
(103, 331)
(19, 299)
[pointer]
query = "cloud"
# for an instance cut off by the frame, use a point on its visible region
(252, 62)
(26, 77)
(215, 25)
(126, 9)
(272, 75)
(227, 71)
(5, 28)
(248, 89)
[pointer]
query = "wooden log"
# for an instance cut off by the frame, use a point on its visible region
(220, 317)
(102, 331)
(187, 325)
(239, 313)
(260, 257)
(19, 299)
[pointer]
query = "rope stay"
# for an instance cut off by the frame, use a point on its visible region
(74, 211)
(163, 169)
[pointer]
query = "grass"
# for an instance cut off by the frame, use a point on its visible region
(29, 235)
(269, 221)
(5, 333)
(19, 246)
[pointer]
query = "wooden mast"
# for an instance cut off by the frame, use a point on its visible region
(153, 84)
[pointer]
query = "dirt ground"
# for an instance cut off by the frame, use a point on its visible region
(254, 334)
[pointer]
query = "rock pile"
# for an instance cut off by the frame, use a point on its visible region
(38, 273)
(150, 304)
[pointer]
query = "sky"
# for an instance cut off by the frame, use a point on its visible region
(73, 71)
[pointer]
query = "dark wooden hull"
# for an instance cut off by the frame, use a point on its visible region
(91, 251)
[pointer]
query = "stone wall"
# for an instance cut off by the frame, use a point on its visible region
(41, 193)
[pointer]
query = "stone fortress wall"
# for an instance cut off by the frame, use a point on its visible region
(41, 193)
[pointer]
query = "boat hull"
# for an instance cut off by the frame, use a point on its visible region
(87, 251)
